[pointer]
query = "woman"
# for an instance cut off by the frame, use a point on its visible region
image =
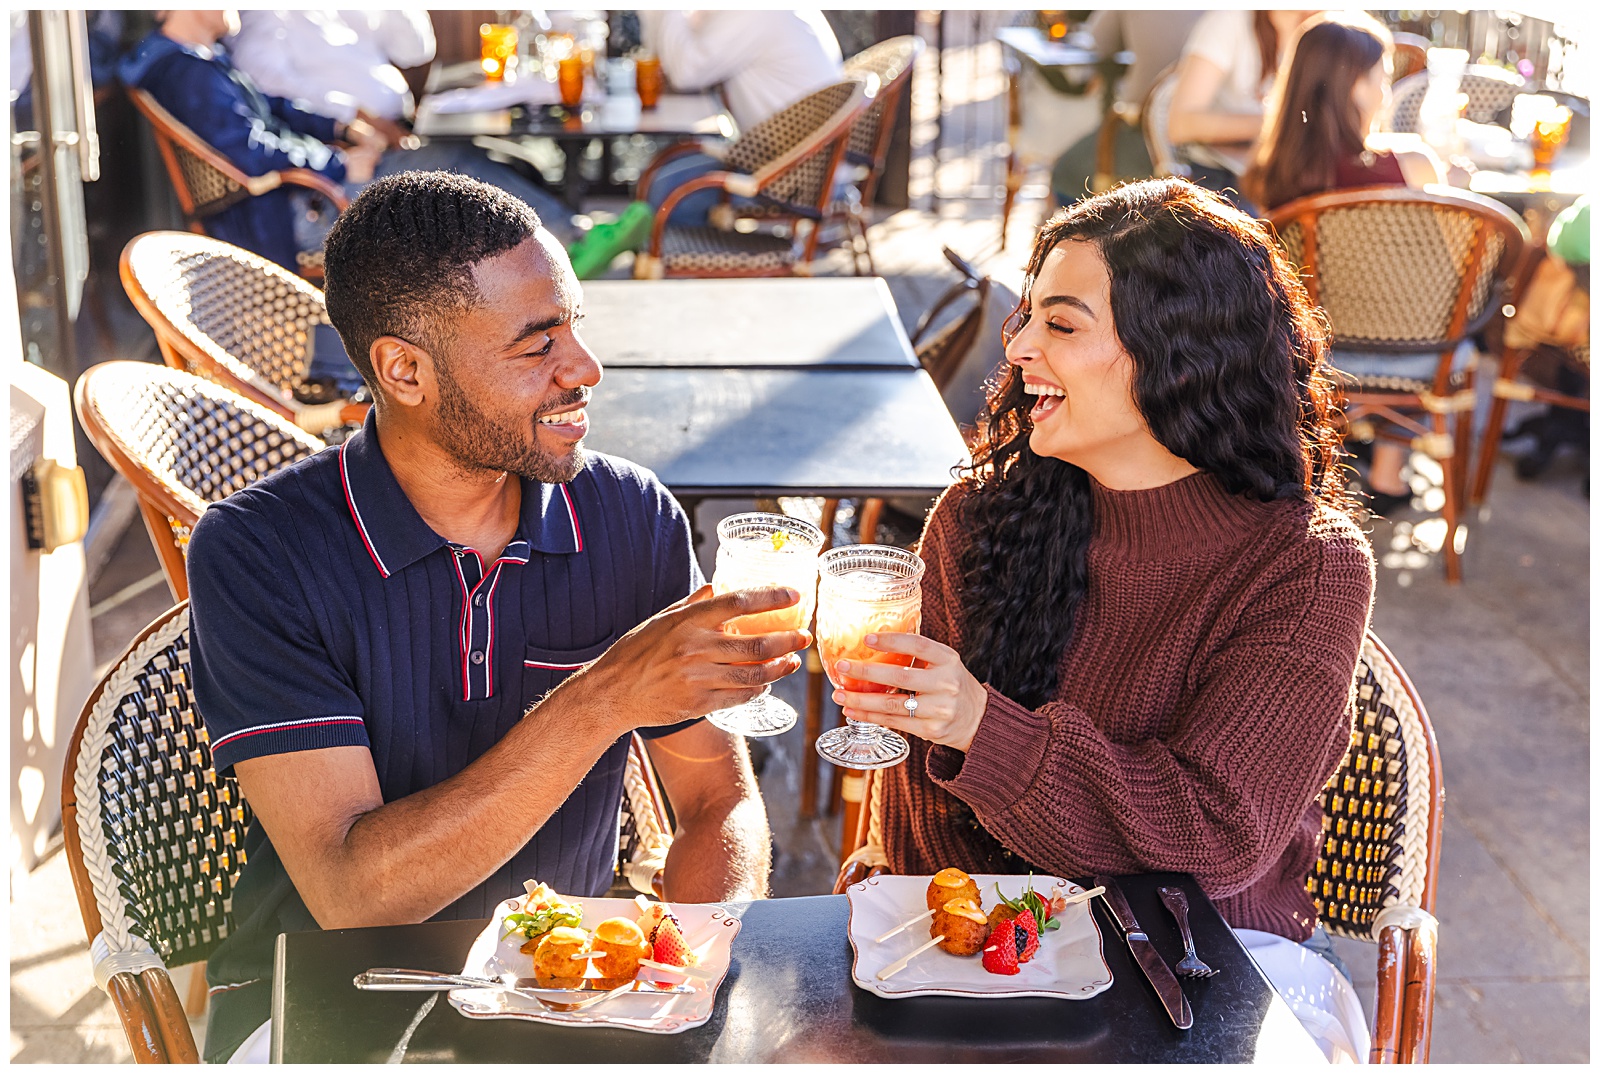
(1227, 67)
(1144, 602)
(1320, 135)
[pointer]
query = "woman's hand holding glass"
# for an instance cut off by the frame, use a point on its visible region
(950, 701)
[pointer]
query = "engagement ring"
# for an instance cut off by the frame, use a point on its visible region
(911, 705)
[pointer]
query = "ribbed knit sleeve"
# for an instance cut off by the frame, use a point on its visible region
(1231, 710)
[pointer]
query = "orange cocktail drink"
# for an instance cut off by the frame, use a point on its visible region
(865, 589)
(759, 549)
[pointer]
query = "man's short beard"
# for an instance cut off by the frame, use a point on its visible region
(478, 442)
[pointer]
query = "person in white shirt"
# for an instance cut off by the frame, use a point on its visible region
(341, 64)
(764, 60)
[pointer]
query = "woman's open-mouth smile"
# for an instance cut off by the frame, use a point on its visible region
(1049, 400)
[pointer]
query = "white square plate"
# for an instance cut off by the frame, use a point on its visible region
(707, 928)
(1070, 963)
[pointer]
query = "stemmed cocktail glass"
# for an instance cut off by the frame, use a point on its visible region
(865, 589)
(760, 549)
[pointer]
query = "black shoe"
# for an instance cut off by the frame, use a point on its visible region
(1385, 504)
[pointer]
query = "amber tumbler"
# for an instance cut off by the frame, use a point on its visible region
(569, 76)
(647, 80)
(498, 44)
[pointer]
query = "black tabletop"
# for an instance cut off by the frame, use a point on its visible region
(788, 997)
(840, 322)
(767, 432)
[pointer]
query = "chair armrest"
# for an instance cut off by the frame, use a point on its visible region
(732, 182)
(676, 149)
(138, 1022)
(1402, 1020)
(171, 1021)
(314, 181)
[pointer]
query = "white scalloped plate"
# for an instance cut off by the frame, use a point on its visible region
(1070, 963)
(708, 928)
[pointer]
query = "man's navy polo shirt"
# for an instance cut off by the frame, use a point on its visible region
(325, 612)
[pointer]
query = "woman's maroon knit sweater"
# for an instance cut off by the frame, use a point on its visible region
(1204, 700)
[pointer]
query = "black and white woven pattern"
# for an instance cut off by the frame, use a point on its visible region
(1489, 91)
(710, 251)
(776, 136)
(890, 60)
(248, 315)
(162, 834)
(1375, 834)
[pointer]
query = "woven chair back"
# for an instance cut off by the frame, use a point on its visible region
(891, 61)
(155, 837)
(1382, 809)
(1489, 91)
(182, 442)
(1153, 113)
(204, 181)
(796, 144)
(1399, 269)
(224, 313)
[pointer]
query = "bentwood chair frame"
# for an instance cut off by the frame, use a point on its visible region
(786, 162)
(182, 442)
(206, 182)
(1489, 90)
(892, 61)
(1408, 272)
(1154, 112)
(1376, 874)
(233, 317)
(155, 838)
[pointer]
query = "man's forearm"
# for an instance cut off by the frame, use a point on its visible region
(724, 852)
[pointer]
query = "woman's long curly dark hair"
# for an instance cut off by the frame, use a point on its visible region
(1228, 358)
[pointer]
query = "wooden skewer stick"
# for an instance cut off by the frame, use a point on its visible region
(902, 927)
(688, 971)
(1084, 896)
(890, 970)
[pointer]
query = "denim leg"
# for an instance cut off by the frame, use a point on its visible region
(695, 210)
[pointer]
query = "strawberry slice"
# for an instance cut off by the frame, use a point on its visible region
(1027, 935)
(669, 946)
(1000, 956)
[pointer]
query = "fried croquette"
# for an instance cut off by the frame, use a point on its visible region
(623, 943)
(1001, 912)
(963, 926)
(558, 961)
(948, 884)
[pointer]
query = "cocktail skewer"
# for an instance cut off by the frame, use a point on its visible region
(894, 968)
(904, 925)
(1082, 896)
(688, 971)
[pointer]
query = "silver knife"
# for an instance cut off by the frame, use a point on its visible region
(1155, 968)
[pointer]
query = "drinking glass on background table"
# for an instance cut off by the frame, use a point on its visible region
(647, 79)
(498, 45)
(759, 549)
(569, 77)
(865, 589)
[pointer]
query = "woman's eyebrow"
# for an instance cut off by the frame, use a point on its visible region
(1067, 300)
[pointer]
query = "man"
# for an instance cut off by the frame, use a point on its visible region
(344, 64)
(423, 652)
(183, 65)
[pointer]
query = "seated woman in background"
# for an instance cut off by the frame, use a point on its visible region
(1144, 602)
(1227, 68)
(1320, 135)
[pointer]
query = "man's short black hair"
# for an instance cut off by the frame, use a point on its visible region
(403, 253)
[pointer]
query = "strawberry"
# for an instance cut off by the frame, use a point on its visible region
(669, 945)
(1027, 935)
(1001, 954)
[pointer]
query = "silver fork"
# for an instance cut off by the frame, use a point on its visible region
(1178, 903)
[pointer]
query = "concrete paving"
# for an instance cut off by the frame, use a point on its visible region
(1501, 663)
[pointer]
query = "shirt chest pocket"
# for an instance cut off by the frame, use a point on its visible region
(545, 669)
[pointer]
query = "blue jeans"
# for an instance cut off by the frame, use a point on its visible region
(1407, 366)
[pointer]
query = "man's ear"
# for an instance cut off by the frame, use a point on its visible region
(403, 370)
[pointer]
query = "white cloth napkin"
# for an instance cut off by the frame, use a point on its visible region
(491, 97)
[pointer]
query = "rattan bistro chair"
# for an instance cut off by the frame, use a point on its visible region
(207, 182)
(232, 317)
(1408, 272)
(1490, 91)
(1375, 876)
(155, 838)
(891, 62)
(183, 443)
(1154, 112)
(786, 163)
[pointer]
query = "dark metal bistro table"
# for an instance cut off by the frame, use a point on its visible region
(838, 322)
(788, 997)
